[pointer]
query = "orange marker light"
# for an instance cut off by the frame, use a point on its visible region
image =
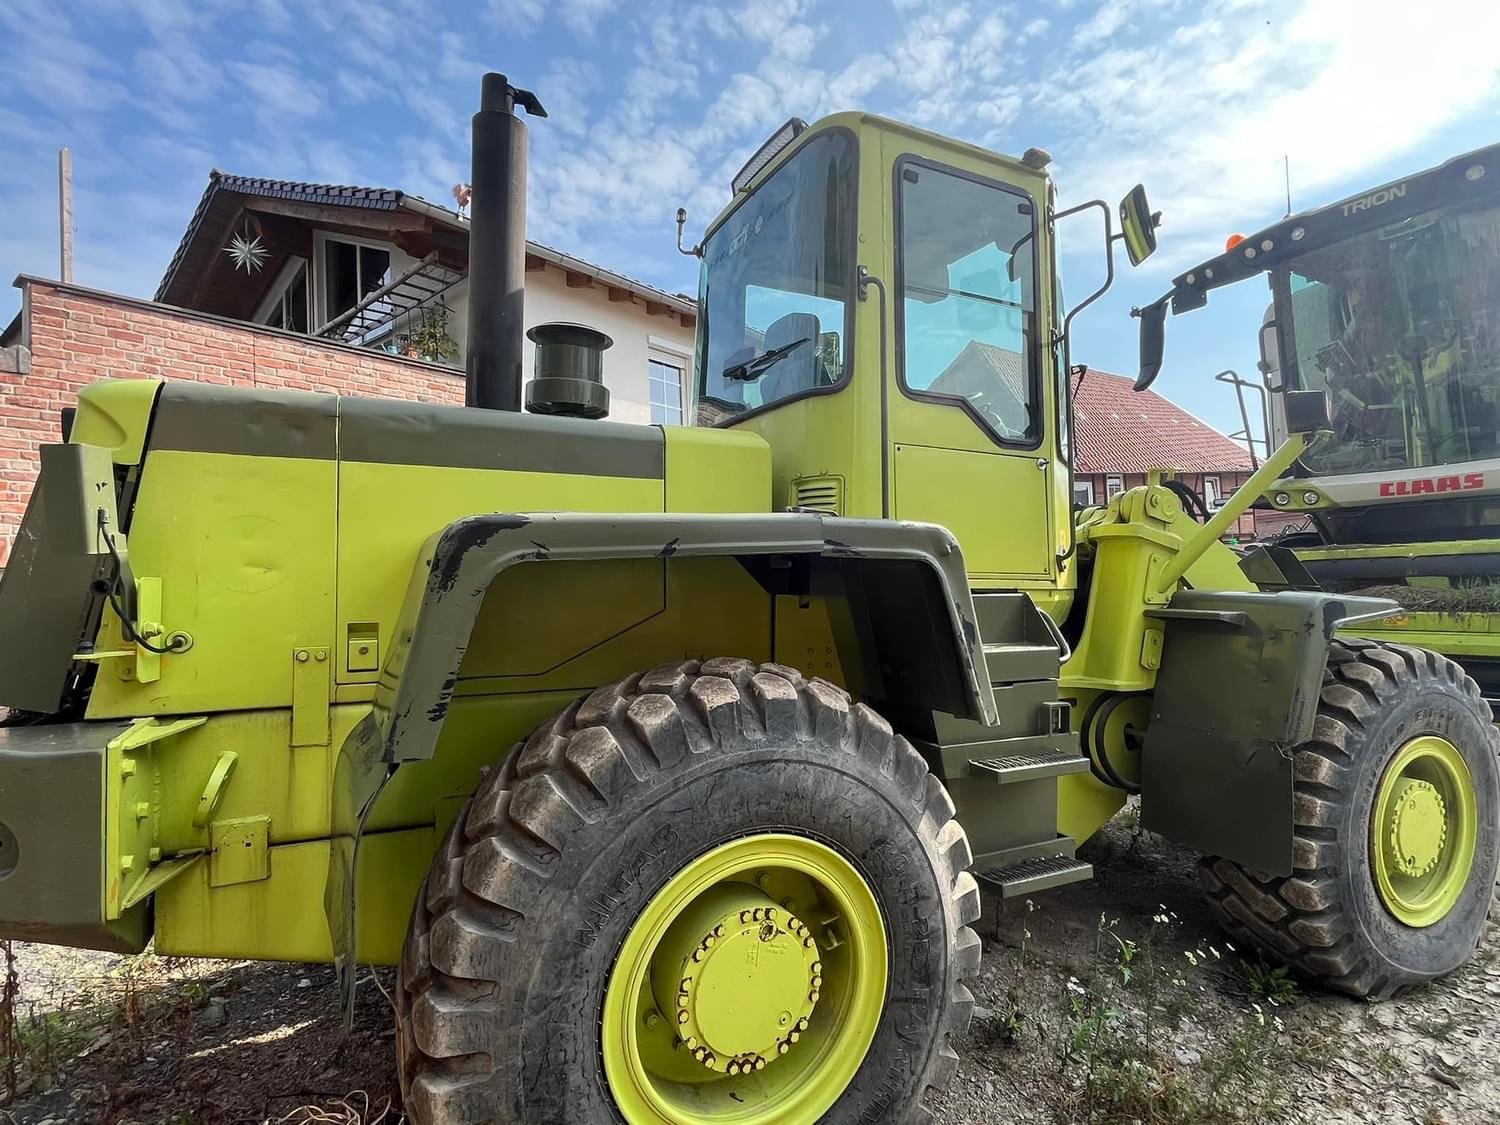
(1232, 241)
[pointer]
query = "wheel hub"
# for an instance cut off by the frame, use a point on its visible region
(1424, 829)
(739, 976)
(1418, 829)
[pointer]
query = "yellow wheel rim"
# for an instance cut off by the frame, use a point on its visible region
(748, 990)
(1423, 832)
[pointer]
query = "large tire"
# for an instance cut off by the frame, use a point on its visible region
(1327, 919)
(520, 918)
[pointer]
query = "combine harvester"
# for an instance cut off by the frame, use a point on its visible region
(1390, 302)
(666, 762)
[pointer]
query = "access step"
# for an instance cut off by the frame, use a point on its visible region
(1010, 663)
(1037, 874)
(1030, 766)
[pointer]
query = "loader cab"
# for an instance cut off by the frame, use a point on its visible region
(877, 302)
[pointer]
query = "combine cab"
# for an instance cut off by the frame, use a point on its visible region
(1389, 301)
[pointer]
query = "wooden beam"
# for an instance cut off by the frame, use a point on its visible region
(579, 280)
(534, 265)
(361, 217)
(618, 295)
(656, 308)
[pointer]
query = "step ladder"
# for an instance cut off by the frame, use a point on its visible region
(1004, 778)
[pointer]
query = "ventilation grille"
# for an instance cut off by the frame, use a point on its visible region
(819, 494)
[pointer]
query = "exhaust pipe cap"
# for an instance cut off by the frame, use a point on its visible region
(569, 369)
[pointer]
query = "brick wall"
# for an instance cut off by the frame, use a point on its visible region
(77, 335)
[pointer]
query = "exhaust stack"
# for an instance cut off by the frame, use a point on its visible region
(497, 246)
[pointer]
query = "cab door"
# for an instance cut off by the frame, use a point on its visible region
(968, 427)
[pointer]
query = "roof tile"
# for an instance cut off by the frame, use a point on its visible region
(1117, 429)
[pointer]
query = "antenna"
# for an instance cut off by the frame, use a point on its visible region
(1286, 167)
(65, 213)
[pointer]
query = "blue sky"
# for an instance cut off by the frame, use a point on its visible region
(657, 104)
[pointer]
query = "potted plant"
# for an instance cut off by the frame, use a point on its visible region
(429, 339)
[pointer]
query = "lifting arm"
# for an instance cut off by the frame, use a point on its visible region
(1237, 505)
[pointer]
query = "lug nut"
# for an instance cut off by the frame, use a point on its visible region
(812, 997)
(817, 982)
(802, 1024)
(817, 967)
(793, 1036)
(687, 983)
(682, 1017)
(692, 1042)
(744, 916)
(652, 1019)
(760, 1063)
(782, 1048)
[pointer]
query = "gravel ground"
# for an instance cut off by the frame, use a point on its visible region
(1059, 1035)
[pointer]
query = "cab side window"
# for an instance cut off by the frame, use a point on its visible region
(966, 269)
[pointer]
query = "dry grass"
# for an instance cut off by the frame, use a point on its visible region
(1468, 597)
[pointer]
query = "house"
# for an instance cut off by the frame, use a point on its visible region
(1120, 434)
(387, 270)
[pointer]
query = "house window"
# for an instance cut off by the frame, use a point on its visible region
(1213, 498)
(1083, 493)
(1113, 486)
(666, 393)
(286, 305)
(351, 272)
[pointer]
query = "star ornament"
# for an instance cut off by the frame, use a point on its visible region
(247, 254)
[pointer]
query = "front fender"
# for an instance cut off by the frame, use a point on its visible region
(1238, 690)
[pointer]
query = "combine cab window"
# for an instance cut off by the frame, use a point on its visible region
(1401, 327)
(777, 279)
(967, 308)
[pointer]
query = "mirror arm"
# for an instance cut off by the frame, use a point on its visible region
(1110, 238)
(696, 251)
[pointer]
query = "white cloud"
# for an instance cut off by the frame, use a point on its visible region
(517, 17)
(278, 92)
(1204, 114)
(583, 16)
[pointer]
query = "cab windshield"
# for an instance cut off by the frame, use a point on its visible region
(1402, 327)
(776, 283)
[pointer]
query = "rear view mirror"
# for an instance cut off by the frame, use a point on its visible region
(1269, 366)
(1153, 341)
(1138, 225)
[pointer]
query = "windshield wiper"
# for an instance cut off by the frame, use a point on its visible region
(754, 368)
